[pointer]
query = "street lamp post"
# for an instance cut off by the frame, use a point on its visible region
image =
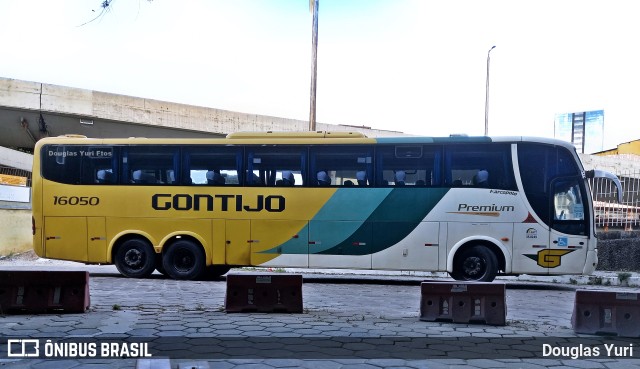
(313, 4)
(486, 101)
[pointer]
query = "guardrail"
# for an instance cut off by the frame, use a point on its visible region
(608, 212)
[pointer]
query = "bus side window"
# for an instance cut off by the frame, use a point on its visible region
(205, 165)
(479, 165)
(343, 166)
(275, 166)
(408, 165)
(150, 164)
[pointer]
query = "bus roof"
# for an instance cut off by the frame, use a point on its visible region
(305, 137)
(306, 134)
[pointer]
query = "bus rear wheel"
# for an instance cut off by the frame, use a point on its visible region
(184, 260)
(476, 263)
(135, 258)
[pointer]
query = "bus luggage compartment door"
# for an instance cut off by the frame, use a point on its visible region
(238, 242)
(417, 250)
(97, 240)
(340, 244)
(281, 243)
(65, 238)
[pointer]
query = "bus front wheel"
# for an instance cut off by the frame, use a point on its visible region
(476, 263)
(184, 260)
(135, 258)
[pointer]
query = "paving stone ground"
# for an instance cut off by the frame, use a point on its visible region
(343, 325)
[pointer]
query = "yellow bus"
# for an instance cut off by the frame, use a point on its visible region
(475, 207)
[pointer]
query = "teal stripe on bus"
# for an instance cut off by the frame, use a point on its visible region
(341, 217)
(371, 222)
(352, 204)
(396, 217)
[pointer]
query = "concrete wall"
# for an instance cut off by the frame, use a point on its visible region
(15, 228)
(15, 159)
(619, 251)
(617, 164)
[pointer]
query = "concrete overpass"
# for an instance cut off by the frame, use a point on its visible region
(32, 110)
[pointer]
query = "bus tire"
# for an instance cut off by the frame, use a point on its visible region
(135, 258)
(184, 260)
(476, 263)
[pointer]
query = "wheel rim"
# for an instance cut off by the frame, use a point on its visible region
(134, 259)
(473, 267)
(183, 260)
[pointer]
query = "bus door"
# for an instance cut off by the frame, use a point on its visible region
(65, 238)
(530, 247)
(340, 244)
(282, 243)
(570, 227)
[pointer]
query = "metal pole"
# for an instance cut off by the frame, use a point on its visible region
(314, 62)
(486, 101)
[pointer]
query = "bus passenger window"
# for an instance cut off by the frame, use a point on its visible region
(150, 164)
(479, 165)
(408, 165)
(199, 163)
(279, 165)
(343, 166)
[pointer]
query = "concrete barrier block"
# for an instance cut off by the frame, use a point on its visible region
(264, 293)
(463, 302)
(606, 312)
(33, 292)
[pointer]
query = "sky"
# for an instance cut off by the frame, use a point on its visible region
(416, 66)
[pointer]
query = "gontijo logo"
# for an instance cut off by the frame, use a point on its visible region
(206, 202)
(549, 258)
